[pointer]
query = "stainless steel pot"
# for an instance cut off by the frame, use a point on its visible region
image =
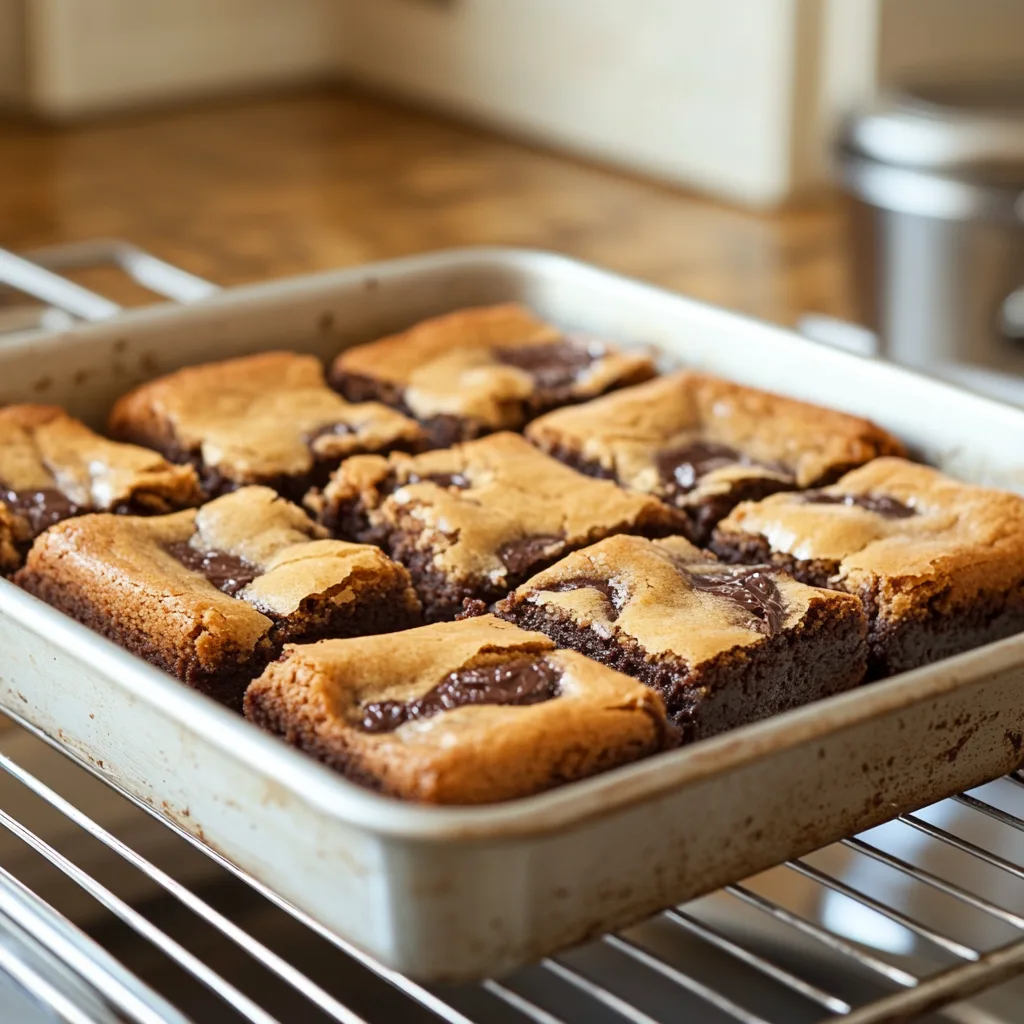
(936, 177)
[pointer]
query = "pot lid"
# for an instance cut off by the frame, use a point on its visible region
(973, 130)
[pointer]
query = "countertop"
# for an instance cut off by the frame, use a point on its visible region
(244, 190)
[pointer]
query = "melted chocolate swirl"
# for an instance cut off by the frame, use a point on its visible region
(42, 508)
(458, 481)
(521, 555)
(331, 430)
(615, 600)
(226, 572)
(556, 365)
(682, 467)
(753, 588)
(882, 504)
(523, 681)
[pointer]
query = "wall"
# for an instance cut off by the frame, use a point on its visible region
(87, 55)
(919, 38)
(689, 91)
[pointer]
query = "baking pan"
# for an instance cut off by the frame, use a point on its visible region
(459, 893)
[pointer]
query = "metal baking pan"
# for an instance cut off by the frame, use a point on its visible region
(458, 893)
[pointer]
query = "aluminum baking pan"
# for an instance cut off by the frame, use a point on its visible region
(455, 893)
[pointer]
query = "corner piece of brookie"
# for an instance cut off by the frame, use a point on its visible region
(210, 595)
(938, 564)
(53, 467)
(465, 712)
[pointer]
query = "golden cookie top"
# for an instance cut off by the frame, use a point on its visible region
(900, 522)
(670, 597)
(688, 436)
(257, 418)
(42, 449)
(490, 364)
(494, 506)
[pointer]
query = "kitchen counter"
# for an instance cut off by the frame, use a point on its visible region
(240, 191)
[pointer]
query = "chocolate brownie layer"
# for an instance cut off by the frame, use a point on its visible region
(724, 645)
(53, 467)
(938, 564)
(211, 595)
(479, 370)
(458, 713)
(705, 444)
(268, 419)
(474, 521)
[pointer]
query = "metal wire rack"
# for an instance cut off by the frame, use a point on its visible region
(920, 919)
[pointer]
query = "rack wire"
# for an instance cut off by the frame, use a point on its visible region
(845, 934)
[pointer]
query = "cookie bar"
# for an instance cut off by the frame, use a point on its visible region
(52, 467)
(474, 521)
(266, 419)
(724, 645)
(479, 370)
(458, 713)
(939, 564)
(705, 444)
(211, 595)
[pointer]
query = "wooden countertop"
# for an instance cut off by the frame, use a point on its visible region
(247, 190)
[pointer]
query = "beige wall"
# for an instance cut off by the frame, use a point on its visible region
(695, 92)
(85, 55)
(919, 38)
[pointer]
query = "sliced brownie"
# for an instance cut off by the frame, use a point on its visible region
(53, 467)
(478, 370)
(705, 444)
(939, 564)
(476, 520)
(724, 645)
(458, 713)
(267, 419)
(211, 595)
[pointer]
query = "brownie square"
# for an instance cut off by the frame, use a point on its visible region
(705, 444)
(938, 564)
(476, 520)
(211, 595)
(268, 419)
(724, 645)
(53, 467)
(479, 370)
(465, 712)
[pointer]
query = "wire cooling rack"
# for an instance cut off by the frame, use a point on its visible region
(108, 913)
